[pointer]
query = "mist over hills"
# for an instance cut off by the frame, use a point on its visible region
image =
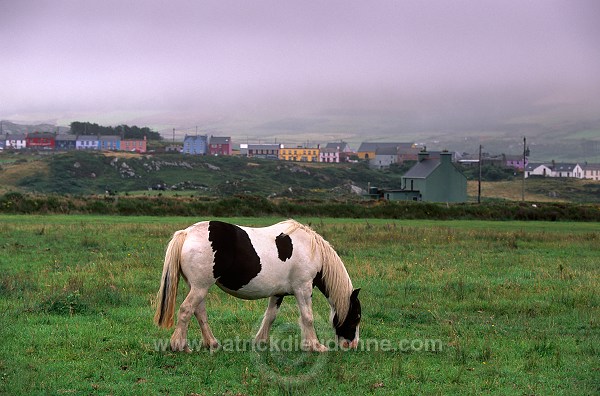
(574, 141)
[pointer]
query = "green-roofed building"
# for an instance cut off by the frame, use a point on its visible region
(431, 180)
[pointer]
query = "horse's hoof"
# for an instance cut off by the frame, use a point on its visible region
(213, 346)
(315, 348)
(177, 347)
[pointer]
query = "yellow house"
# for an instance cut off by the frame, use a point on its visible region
(368, 150)
(303, 154)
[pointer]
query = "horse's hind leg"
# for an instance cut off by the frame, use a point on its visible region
(270, 314)
(189, 305)
(208, 339)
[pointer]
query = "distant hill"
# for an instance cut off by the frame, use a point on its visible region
(11, 127)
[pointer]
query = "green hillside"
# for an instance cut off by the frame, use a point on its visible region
(95, 173)
(89, 173)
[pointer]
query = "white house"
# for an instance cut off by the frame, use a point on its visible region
(567, 170)
(537, 169)
(15, 141)
(591, 171)
(384, 157)
(87, 142)
(554, 170)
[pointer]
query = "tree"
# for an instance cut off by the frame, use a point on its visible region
(125, 131)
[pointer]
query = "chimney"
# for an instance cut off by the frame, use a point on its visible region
(423, 154)
(445, 157)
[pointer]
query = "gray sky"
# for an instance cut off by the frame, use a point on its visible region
(270, 67)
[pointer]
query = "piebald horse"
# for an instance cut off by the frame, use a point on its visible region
(284, 259)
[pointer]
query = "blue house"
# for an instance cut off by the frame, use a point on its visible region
(109, 142)
(195, 145)
(65, 142)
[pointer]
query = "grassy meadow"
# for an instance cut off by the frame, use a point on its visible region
(449, 307)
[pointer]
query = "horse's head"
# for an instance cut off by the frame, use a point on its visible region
(347, 331)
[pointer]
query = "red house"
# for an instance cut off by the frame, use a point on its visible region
(40, 140)
(219, 146)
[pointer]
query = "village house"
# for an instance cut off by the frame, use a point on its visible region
(367, 150)
(330, 155)
(591, 171)
(343, 149)
(109, 142)
(40, 140)
(134, 145)
(15, 141)
(195, 145)
(515, 161)
(431, 180)
(554, 169)
(264, 151)
(87, 142)
(65, 142)
(301, 154)
(219, 145)
(537, 169)
(384, 157)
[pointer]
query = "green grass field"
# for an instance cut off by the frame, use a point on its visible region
(449, 307)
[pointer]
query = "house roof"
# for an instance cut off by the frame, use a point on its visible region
(87, 137)
(15, 136)
(422, 169)
(65, 137)
(388, 150)
(220, 140)
(270, 146)
(369, 146)
(564, 167)
(514, 157)
(195, 137)
(40, 135)
(110, 137)
(534, 165)
(591, 166)
(338, 145)
(329, 150)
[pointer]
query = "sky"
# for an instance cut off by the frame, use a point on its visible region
(302, 68)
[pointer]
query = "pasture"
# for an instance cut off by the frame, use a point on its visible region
(449, 307)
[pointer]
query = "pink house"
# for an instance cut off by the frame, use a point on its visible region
(136, 145)
(516, 161)
(329, 155)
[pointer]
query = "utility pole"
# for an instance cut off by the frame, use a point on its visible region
(173, 135)
(479, 183)
(524, 154)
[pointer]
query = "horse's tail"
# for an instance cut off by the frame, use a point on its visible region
(165, 308)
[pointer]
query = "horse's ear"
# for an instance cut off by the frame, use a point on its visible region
(354, 294)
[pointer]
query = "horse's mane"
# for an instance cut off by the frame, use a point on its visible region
(333, 272)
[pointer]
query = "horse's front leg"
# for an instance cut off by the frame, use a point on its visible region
(269, 318)
(309, 335)
(187, 308)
